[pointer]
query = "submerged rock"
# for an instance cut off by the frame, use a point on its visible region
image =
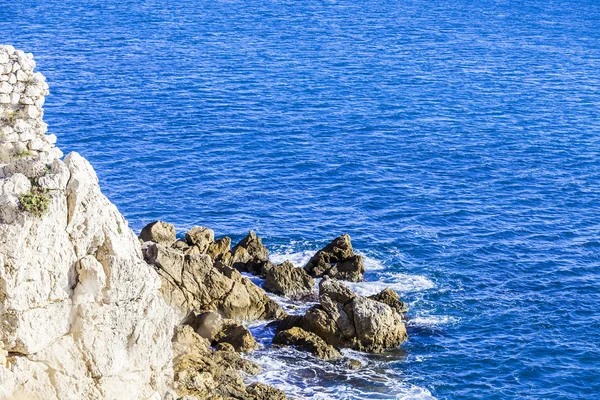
(287, 280)
(337, 260)
(344, 319)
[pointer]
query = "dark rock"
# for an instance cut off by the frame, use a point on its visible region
(287, 280)
(158, 232)
(306, 341)
(337, 260)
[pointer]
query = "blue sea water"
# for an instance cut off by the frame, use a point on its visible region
(457, 142)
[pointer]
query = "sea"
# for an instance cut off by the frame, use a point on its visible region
(456, 142)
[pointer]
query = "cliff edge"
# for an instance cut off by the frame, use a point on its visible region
(81, 313)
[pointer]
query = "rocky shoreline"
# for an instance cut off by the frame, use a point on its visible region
(92, 311)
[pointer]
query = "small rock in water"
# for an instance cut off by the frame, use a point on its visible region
(337, 260)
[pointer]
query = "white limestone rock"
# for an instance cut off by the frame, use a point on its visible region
(81, 313)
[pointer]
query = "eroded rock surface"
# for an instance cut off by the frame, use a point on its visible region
(287, 280)
(346, 320)
(210, 325)
(83, 316)
(337, 260)
(192, 282)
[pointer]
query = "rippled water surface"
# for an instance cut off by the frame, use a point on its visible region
(457, 142)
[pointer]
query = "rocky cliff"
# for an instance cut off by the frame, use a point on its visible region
(82, 316)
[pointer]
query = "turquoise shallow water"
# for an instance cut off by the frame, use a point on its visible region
(456, 142)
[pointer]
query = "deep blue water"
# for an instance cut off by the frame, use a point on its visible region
(457, 142)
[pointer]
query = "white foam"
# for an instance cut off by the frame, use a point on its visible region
(302, 376)
(403, 283)
(299, 259)
(431, 320)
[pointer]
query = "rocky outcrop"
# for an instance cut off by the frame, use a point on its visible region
(306, 341)
(337, 260)
(287, 280)
(192, 282)
(344, 319)
(202, 373)
(218, 330)
(82, 313)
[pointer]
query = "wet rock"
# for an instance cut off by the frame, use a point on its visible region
(159, 232)
(306, 341)
(353, 364)
(287, 280)
(392, 299)
(337, 260)
(200, 237)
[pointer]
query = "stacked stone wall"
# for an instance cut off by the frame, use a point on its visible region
(22, 96)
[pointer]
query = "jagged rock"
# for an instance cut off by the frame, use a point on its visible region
(260, 391)
(337, 260)
(236, 335)
(159, 232)
(200, 237)
(207, 374)
(217, 330)
(191, 282)
(254, 247)
(306, 341)
(287, 280)
(218, 248)
(343, 319)
(250, 255)
(392, 299)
